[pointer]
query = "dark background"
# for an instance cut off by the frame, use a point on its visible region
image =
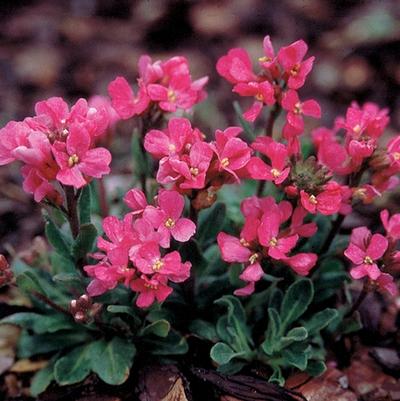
(74, 48)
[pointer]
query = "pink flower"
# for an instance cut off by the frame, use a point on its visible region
(277, 153)
(148, 260)
(167, 220)
(298, 227)
(136, 200)
(291, 60)
(263, 92)
(236, 66)
(150, 289)
(99, 102)
(278, 244)
(171, 141)
(124, 101)
(12, 136)
(364, 249)
(391, 224)
(302, 263)
(297, 109)
(233, 154)
(386, 283)
(326, 202)
(77, 161)
(268, 61)
(232, 249)
(192, 168)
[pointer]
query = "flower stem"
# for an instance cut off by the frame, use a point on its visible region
(49, 302)
(332, 234)
(363, 294)
(103, 199)
(72, 208)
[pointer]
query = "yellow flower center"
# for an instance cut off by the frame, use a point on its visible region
(73, 160)
(295, 70)
(273, 242)
(264, 59)
(298, 108)
(171, 96)
(275, 173)
(368, 260)
(357, 128)
(313, 199)
(225, 162)
(169, 223)
(360, 193)
(171, 147)
(253, 258)
(157, 265)
(244, 242)
(396, 155)
(259, 97)
(194, 171)
(151, 286)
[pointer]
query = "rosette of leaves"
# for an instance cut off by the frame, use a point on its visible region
(107, 340)
(292, 338)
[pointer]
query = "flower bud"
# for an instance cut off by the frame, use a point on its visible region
(83, 309)
(6, 275)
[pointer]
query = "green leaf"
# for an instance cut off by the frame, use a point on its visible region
(222, 353)
(210, 223)
(73, 367)
(173, 344)
(232, 367)
(30, 345)
(320, 320)
(204, 330)
(57, 239)
(85, 241)
(273, 332)
(38, 323)
(42, 379)
(85, 205)
(160, 328)
(315, 368)
(277, 376)
(236, 320)
(28, 282)
(296, 301)
(297, 334)
(112, 361)
(296, 359)
(61, 264)
(121, 309)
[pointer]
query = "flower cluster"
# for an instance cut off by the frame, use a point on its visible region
(277, 82)
(190, 163)
(57, 145)
(167, 84)
(376, 256)
(134, 253)
(270, 233)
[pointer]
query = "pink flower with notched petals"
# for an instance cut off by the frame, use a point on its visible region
(298, 227)
(171, 141)
(77, 161)
(233, 154)
(364, 250)
(278, 244)
(296, 109)
(124, 100)
(148, 260)
(263, 92)
(291, 60)
(326, 202)
(236, 66)
(278, 155)
(150, 289)
(391, 224)
(167, 220)
(192, 168)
